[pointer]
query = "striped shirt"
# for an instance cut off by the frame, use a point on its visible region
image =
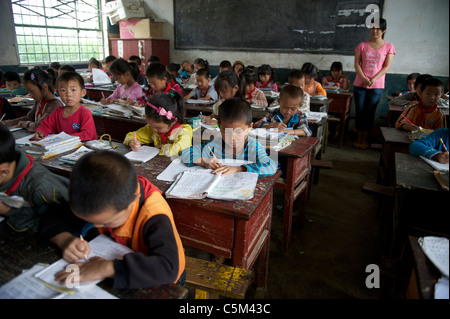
(298, 121)
(256, 97)
(253, 152)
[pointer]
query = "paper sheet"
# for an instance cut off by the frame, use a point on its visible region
(436, 249)
(176, 167)
(144, 154)
(99, 77)
(436, 165)
(24, 140)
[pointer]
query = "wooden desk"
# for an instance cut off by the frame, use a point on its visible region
(95, 93)
(316, 105)
(297, 181)
(395, 140)
(340, 105)
(20, 251)
(239, 230)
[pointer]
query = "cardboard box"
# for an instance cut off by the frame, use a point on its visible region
(124, 9)
(140, 29)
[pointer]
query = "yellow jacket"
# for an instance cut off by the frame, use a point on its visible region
(178, 139)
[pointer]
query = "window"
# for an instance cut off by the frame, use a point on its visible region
(61, 31)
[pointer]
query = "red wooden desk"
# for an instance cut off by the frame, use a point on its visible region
(239, 230)
(297, 180)
(341, 106)
(95, 93)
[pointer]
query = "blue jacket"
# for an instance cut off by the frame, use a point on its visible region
(430, 145)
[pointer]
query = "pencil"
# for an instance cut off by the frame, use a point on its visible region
(103, 94)
(445, 147)
(212, 152)
(135, 139)
(82, 239)
(408, 120)
(3, 117)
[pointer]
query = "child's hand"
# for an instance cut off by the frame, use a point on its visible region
(441, 157)
(96, 268)
(280, 126)
(134, 145)
(39, 135)
(4, 208)
(225, 170)
(409, 127)
(160, 146)
(211, 163)
(106, 101)
(73, 248)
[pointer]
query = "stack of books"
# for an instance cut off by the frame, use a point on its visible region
(53, 145)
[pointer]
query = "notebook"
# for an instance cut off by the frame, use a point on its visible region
(144, 154)
(436, 249)
(201, 184)
(72, 158)
(436, 165)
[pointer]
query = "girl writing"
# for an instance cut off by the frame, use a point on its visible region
(266, 76)
(164, 114)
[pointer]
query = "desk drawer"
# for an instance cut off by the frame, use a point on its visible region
(301, 167)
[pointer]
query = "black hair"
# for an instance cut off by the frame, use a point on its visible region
(110, 58)
(230, 79)
(421, 78)
(173, 67)
(157, 69)
(68, 76)
(38, 77)
(53, 75)
(295, 75)
(412, 76)
(267, 69)
(204, 64)
(136, 59)
(54, 65)
(7, 145)
(234, 110)
(238, 62)
(102, 180)
(225, 64)
(249, 76)
(121, 66)
(95, 62)
(204, 72)
(67, 67)
(310, 69)
(336, 66)
(153, 58)
(291, 91)
(172, 101)
(431, 82)
(11, 76)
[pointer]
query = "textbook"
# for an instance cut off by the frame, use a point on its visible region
(201, 184)
(53, 145)
(436, 165)
(101, 246)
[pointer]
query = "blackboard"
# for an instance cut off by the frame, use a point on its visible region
(325, 26)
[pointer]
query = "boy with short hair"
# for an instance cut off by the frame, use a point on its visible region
(426, 113)
(288, 118)
(204, 90)
(225, 65)
(235, 122)
(73, 118)
(105, 191)
(21, 176)
(13, 83)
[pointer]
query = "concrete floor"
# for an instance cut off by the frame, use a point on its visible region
(328, 255)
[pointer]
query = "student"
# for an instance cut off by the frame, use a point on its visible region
(228, 85)
(235, 122)
(7, 112)
(311, 86)
(173, 68)
(225, 65)
(13, 83)
(54, 75)
(142, 80)
(203, 91)
(266, 78)
(54, 66)
(108, 61)
(253, 95)
(73, 119)
(159, 80)
(106, 192)
(186, 71)
(153, 59)
(297, 78)
(410, 81)
(431, 146)
(65, 68)
(127, 75)
(164, 114)
(288, 119)
(426, 113)
(93, 63)
(238, 67)
(373, 59)
(198, 65)
(40, 85)
(336, 77)
(21, 176)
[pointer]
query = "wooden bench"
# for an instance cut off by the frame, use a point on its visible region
(209, 277)
(377, 189)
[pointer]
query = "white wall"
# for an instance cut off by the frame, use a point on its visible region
(419, 30)
(8, 51)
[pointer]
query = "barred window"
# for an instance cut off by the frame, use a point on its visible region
(61, 31)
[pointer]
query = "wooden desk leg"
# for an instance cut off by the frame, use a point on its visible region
(341, 130)
(288, 204)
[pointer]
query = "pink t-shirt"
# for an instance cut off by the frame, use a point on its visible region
(372, 61)
(133, 92)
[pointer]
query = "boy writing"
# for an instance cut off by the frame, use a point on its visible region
(288, 118)
(73, 119)
(203, 91)
(21, 176)
(433, 146)
(235, 122)
(13, 83)
(105, 191)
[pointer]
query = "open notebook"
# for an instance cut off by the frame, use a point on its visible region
(201, 184)
(436, 165)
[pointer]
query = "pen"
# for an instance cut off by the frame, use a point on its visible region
(279, 118)
(201, 115)
(212, 152)
(445, 147)
(3, 117)
(408, 120)
(82, 239)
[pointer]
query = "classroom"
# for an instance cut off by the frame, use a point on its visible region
(322, 177)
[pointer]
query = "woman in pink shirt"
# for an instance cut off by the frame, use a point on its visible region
(373, 59)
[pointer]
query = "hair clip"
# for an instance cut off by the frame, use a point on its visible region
(171, 95)
(32, 77)
(162, 111)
